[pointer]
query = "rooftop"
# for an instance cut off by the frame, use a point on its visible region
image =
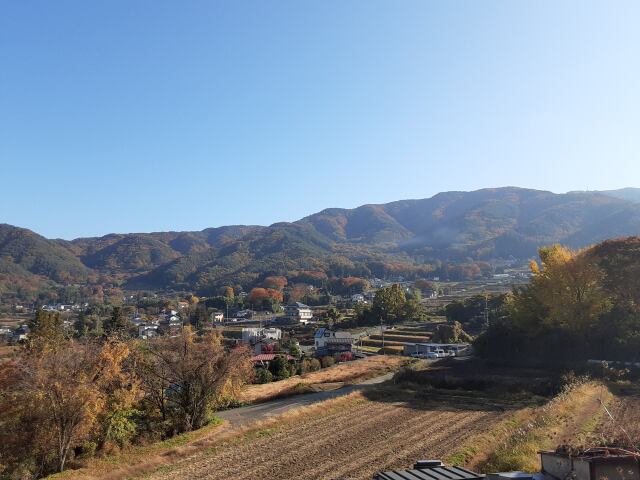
(429, 473)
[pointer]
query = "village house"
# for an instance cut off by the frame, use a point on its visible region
(5, 334)
(298, 312)
(263, 360)
(329, 342)
(183, 304)
(357, 298)
(216, 317)
(262, 340)
(20, 334)
(430, 293)
(252, 335)
(169, 322)
(452, 349)
(147, 331)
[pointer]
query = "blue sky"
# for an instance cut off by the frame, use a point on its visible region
(156, 115)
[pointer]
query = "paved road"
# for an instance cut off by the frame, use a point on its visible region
(260, 411)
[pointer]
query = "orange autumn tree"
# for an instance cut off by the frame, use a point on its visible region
(258, 296)
(275, 283)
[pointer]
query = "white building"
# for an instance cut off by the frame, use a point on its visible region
(299, 311)
(217, 317)
(329, 342)
(358, 298)
(254, 335)
(147, 331)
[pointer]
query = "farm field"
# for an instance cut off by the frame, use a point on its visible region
(348, 372)
(353, 437)
(434, 412)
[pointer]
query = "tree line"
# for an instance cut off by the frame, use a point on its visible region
(62, 398)
(579, 305)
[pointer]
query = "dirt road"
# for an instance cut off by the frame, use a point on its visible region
(261, 411)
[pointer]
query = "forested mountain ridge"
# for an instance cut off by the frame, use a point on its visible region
(402, 237)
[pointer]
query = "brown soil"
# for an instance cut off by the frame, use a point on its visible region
(352, 442)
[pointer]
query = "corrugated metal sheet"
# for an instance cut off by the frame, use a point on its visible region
(433, 473)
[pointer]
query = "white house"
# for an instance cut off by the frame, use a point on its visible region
(329, 342)
(147, 331)
(252, 335)
(299, 311)
(217, 317)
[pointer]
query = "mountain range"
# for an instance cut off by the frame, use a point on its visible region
(401, 236)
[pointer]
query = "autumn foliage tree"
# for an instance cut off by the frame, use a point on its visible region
(265, 298)
(61, 397)
(275, 283)
(184, 377)
(578, 305)
(64, 397)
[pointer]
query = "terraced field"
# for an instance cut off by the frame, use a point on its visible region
(353, 440)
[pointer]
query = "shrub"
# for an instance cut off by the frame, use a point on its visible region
(280, 368)
(263, 376)
(327, 361)
(344, 357)
(310, 365)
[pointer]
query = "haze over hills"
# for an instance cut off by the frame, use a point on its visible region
(406, 236)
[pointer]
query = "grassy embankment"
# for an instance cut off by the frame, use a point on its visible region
(513, 444)
(327, 378)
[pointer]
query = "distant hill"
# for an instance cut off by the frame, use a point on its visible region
(631, 194)
(408, 237)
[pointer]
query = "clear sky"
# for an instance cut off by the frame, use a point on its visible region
(131, 115)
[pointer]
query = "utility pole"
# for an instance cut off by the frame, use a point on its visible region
(486, 310)
(382, 334)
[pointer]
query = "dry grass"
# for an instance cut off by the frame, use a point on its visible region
(393, 350)
(569, 418)
(624, 427)
(343, 373)
(7, 351)
(378, 343)
(401, 338)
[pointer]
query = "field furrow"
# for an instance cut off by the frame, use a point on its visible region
(349, 443)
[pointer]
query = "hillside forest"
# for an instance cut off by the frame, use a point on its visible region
(451, 236)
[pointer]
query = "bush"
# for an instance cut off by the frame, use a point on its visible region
(344, 357)
(327, 361)
(280, 368)
(310, 365)
(263, 376)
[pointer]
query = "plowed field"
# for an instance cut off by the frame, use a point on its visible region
(352, 441)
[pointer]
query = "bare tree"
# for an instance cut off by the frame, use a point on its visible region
(184, 376)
